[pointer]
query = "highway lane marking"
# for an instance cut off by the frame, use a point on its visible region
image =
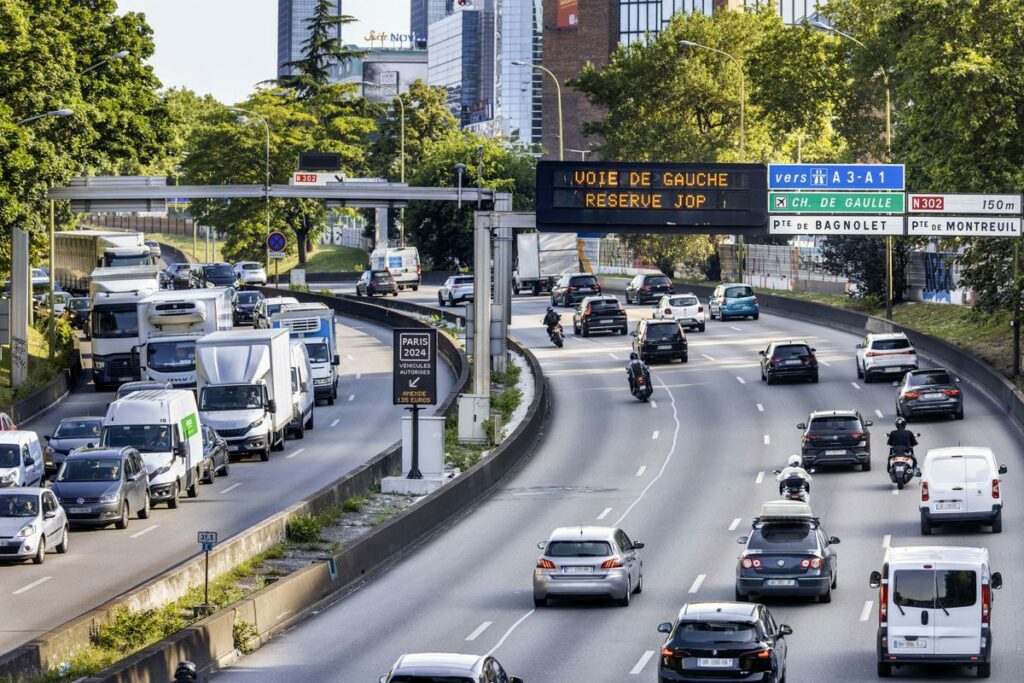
(231, 488)
(613, 355)
(479, 629)
(641, 663)
(37, 582)
(511, 628)
(695, 586)
(640, 472)
(738, 329)
(760, 408)
(704, 355)
(349, 357)
(351, 397)
(825, 363)
(735, 523)
(886, 540)
(335, 422)
(655, 434)
(741, 380)
(895, 490)
(855, 385)
(604, 513)
(654, 404)
(879, 413)
(865, 613)
(359, 375)
(760, 478)
(144, 531)
(292, 455)
(767, 440)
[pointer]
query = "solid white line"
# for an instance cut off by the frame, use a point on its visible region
(735, 523)
(865, 613)
(479, 629)
(654, 404)
(855, 385)
(886, 540)
(640, 472)
(604, 513)
(144, 531)
(708, 357)
(825, 363)
(641, 663)
(292, 455)
(738, 329)
(760, 408)
(351, 397)
(695, 586)
(335, 422)
(879, 413)
(32, 585)
(613, 355)
(760, 478)
(741, 380)
(512, 628)
(767, 440)
(231, 488)
(655, 434)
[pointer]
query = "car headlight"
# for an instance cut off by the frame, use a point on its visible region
(255, 424)
(10, 476)
(27, 530)
(110, 498)
(48, 452)
(161, 470)
(99, 364)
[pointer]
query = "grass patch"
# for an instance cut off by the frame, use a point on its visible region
(325, 258)
(304, 528)
(183, 243)
(354, 504)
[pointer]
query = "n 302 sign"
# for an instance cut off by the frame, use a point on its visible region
(986, 204)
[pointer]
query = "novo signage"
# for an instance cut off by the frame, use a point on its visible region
(986, 204)
(414, 371)
(964, 226)
(834, 225)
(836, 177)
(651, 197)
(836, 202)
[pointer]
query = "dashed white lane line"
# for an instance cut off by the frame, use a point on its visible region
(604, 513)
(292, 455)
(230, 488)
(655, 434)
(825, 363)
(886, 540)
(733, 327)
(359, 375)
(855, 385)
(760, 408)
(641, 663)
(144, 531)
(879, 413)
(735, 523)
(741, 380)
(640, 472)
(695, 586)
(37, 582)
(895, 490)
(351, 397)
(507, 633)
(349, 356)
(613, 355)
(654, 404)
(760, 478)
(767, 440)
(334, 423)
(865, 613)
(704, 355)
(479, 630)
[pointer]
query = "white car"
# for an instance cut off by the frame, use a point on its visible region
(685, 308)
(250, 273)
(440, 666)
(961, 484)
(456, 289)
(31, 521)
(21, 459)
(154, 248)
(888, 355)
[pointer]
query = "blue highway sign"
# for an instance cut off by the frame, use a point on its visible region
(836, 177)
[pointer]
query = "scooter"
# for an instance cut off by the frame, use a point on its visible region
(901, 470)
(794, 488)
(642, 388)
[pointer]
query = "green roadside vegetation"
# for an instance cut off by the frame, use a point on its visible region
(322, 259)
(40, 368)
(505, 398)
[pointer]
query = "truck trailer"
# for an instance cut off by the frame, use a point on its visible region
(78, 252)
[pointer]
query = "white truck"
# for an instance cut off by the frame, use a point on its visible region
(314, 325)
(402, 262)
(114, 322)
(245, 388)
(78, 252)
(170, 322)
(541, 258)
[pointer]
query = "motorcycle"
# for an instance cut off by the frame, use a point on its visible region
(901, 469)
(556, 336)
(642, 388)
(794, 488)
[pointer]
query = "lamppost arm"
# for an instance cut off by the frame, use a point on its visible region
(558, 93)
(117, 55)
(54, 113)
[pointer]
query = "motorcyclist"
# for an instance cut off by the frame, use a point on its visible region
(794, 470)
(186, 671)
(551, 318)
(636, 368)
(902, 442)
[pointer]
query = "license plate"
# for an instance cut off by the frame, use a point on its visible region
(125, 379)
(932, 397)
(577, 570)
(781, 582)
(839, 452)
(5, 543)
(894, 369)
(583, 289)
(947, 506)
(791, 362)
(233, 448)
(715, 663)
(911, 644)
(664, 347)
(79, 511)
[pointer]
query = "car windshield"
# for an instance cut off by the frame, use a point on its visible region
(604, 305)
(318, 352)
(172, 356)
(93, 469)
(657, 280)
(738, 292)
(79, 303)
(890, 344)
(835, 423)
(110, 322)
(231, 397)
(669, 332)
(791, 351)
(118, 261)
(248, 297)
(583, 281)
(578, 549)
(429, 679)
(22, 505)
(715, 632)
(932, 589)
(783, 538)
(78, 429)
(144, 438)
(10, 455)
(218, 272)
(923, 379)
(683, 301)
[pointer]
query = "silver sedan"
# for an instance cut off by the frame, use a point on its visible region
(588, 561)
(31, 522)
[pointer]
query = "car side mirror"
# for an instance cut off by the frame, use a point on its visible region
(776, 471)
(638, 545)
(834, 540)
(1002, 469)
(802, 425)
(996, 582)
(29, 461)
(46, 438)
(665, 627)
(90, 445)
(868, 423)
(742, 540)
(50, 514)
(957, 380)
(179, 450)
(811, 471)
(272, 405)
(896, 384)
(859, 346)
(542, 545)
(336, 360)
(814, 350)
(784, 630)
(875, 580)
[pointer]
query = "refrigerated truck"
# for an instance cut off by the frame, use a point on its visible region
(77, 253)
(170, 322)
(315, 326)
(113, 326)
(541, 258)
(244, 378)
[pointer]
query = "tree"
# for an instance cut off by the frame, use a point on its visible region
(667, 252)
(863, 262)
(322, 51)
(427, 119)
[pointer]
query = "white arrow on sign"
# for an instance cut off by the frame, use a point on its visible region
(414, 382)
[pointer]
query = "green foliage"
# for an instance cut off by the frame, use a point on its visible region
(304, 529)
(242, 634)
(669, 251)
(863, 262)
(427, 120)
(354, 504)
(506, 401)
(321, 51)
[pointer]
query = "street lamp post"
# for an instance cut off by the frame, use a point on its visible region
(117, 55)
(558, 92)
(582, 152)
(266, 184)
(401, 142)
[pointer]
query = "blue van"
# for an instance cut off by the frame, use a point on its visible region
(733, 300)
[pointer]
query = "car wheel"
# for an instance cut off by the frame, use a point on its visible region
(440, 300)
(624, 331)
(835, 581)
(585, 330)
(739, 597)
(575, 329)
(860, 373)
(771, 380)
(300, 433)
(701, 327)
(193, 490)
(867, 377)
(814, 378)
(62, 547)
(122, 523)
(959, 414)
(763, 378)
(143, 512)
(865, 466)
(997, 523)
(226, 469)
(451, 299)
(756, 316)
(309, 422)
(40, 555)
(277, 445)
(926, 526)
(265, 454)
(415, 288)
(639, 583)
(394, 293)
(540, 602)
(685, 358)
(985, 670)
(884, 669)
(827, 597)
(624, 601)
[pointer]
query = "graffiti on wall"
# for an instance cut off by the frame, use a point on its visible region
(938, 278)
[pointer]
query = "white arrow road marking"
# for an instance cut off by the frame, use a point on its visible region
(335, 422)
(855, 385)
(879, 413)
(760, 408)
(655, 434)
(886, 540)
(604, 513)
(760, 478)
(735, 523)
(654, 404)
(37, 582)
(641, 663)
(640, 472)
(351, 397)
(767, 440)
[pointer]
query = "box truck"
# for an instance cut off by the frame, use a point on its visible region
(77, 253)
(541, 258)
(113, 326)
(244, 379)
(314, 325)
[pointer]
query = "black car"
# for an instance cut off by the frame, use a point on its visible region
(646, 288)
(787, 557)
(788, 360)
(182, 276)
(77, 311)
(723, 641)
(376, 282)
(934, 391)
(101, 486)
(219, 275)
(573, 288)
(215, 455)
(599, 314)
(71, 433)
(836, 437)
(660, 340)
(243, 311)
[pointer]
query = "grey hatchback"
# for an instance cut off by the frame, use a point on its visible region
(101, 486)
(934, 391)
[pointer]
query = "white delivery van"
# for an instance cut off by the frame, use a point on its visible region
(245, 388)
(163, 425)
(935, 607)
(314, 325)
(303, 396)
(21, 459)
(403, 263)
(961, 484)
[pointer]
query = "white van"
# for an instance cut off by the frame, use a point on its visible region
(163, 425)
(961, 484)
(403, 263)
(303, 396)
(21, 459)
(934, 607)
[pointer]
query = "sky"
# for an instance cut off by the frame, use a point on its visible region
(225, 47)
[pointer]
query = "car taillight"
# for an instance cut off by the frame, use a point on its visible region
(545, 564)
(621, 309)
(810, 437)
(774, 361)
(811, 563)
(597, 288)
(811, 359)
(571, 288)
(924, 491)
(640, 380)
(419, 269)
(373, 282)
(668, 310)
(995, 488)
(857, 435)
(756, 661)
(986, 602)
(611, 564)
(872, 354)
(700, 309)
(952, 392)
(750, 563)
(883, 603)
(911, 394)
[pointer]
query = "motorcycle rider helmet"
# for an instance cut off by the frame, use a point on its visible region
(186, 671)
(795, 461)
(550, 309)
(634, 356)
(900, 423)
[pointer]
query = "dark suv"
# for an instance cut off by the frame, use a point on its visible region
(647, 288)
(788, 360)
(376, 282)
(723, 641)
(574, 287)
(929, 392)
(792, 558)
(660, 340)
(836, 437)
(219, 275)
(599, 314)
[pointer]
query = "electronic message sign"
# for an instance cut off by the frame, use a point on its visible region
(651, 197)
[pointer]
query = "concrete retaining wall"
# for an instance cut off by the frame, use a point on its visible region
(47, 396)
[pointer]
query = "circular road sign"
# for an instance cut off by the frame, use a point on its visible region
(276, 242)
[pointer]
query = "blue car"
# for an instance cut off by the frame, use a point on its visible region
(733, 300)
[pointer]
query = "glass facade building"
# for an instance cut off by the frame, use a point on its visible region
(639, 17)
(292, 31)
(455, 62)
(520, 86)
(423, 13)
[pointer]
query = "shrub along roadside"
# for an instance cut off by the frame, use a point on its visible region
(505, 398)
